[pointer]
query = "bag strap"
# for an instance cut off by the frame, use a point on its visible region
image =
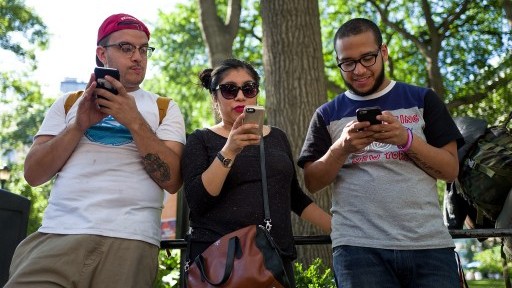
(462, 277)
(234, 250)
(267, 219)
(161, 102)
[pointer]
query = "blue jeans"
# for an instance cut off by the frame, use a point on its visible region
(362, 267)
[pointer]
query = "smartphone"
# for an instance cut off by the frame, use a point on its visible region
(255, 114)
(369, 114)
(101, 72)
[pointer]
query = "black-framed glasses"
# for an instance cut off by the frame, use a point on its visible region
(230, 91)
(129, 49)
(367, 61)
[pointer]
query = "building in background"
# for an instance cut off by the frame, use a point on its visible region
(71, 84)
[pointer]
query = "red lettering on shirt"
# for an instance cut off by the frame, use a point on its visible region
(407, 119)
(396, 155)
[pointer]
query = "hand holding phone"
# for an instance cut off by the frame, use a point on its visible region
(369, 114)
(255, 114)
(100, 73)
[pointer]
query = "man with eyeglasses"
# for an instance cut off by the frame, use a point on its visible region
(111, 160)
(387, 227)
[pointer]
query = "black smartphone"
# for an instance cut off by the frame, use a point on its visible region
(255, 114)
(101, 72)
(369, 114)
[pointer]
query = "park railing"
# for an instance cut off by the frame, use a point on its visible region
(326, 239)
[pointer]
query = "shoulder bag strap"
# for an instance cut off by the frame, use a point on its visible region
(267, 219)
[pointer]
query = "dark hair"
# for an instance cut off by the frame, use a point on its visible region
(210, 78)
(357, 26)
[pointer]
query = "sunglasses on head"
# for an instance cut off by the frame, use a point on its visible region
(230, 91)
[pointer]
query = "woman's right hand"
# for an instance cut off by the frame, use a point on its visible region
(241, 135)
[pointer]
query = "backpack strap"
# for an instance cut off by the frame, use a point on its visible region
(71, 100)
(163, 104)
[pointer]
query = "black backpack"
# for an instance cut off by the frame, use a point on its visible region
(485, 173)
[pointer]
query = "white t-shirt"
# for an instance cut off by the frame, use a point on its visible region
(103, 188)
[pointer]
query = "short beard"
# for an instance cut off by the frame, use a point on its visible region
(378, 82)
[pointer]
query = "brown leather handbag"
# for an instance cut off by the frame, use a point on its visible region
(247, 257)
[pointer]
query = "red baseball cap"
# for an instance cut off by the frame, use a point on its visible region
(118, 22)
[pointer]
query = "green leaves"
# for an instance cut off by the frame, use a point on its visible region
(317, 275)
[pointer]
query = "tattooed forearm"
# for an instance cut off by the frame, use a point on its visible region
(157, 169)
(425, 166)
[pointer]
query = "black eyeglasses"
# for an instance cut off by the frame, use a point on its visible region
(129, 49)
(367, 61)
(230, 91)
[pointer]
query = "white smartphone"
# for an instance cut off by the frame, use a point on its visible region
(255, 114)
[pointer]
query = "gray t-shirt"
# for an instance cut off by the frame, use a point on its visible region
(381, 199)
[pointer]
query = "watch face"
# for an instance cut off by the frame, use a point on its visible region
(226, 162)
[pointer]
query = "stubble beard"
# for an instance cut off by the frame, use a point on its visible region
(378, 82)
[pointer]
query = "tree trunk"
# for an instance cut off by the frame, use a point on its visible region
(507, 6)
(434, 74)
(218, 35)
(295, 86)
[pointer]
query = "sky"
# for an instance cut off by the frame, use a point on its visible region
(73, 26)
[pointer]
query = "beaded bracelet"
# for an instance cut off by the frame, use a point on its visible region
(406, 147)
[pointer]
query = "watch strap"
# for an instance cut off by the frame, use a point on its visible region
(226, 162)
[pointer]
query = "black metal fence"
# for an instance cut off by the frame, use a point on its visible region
(326, 239)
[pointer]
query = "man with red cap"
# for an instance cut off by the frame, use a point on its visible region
(111, 160)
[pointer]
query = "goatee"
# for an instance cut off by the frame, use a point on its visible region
(378, 82)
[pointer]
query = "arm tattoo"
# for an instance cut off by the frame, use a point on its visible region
(423, 165)
(156, 168)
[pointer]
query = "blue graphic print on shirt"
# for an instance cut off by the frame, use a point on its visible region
(109, 132)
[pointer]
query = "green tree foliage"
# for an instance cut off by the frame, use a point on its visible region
(18, 125)
(490, 260)
(22, 106)
(18, 20)
(474, 57)
(179, 59)
(168, 270)
(21, 32)
(182, 55)
(317, 275)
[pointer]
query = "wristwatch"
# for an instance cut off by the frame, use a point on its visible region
(226, 162)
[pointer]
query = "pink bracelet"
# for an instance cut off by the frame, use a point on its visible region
(406, 147)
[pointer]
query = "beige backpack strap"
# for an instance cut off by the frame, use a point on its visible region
(71, 100)
(163, 104)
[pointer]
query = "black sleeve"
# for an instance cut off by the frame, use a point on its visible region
(440, 129)
(198, 199)
(317, 142)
